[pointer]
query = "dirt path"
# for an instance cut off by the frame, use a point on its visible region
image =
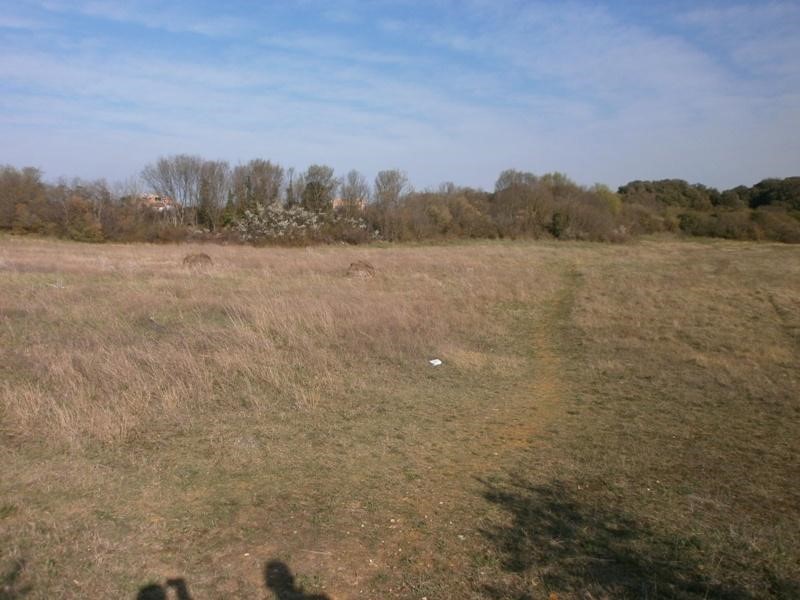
(547, 382)
(437, 518)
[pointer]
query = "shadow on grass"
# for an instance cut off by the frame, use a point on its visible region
(278, 579)
(10, 587)
(573, 546)
(159, 592)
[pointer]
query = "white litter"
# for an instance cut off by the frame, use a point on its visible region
(435, 362)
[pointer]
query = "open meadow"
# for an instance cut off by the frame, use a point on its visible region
(609, 421)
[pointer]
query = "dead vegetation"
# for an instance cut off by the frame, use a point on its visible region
(121, 337)
(361, 269)
(609, 421)
(198, 259)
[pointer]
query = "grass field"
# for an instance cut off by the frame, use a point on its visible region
(610, 421)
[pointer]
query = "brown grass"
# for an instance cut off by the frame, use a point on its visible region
(105, 343)
(618, 421)
(197, 259)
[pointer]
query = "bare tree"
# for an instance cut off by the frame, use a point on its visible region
(295, 184)
(178, 177)
(390, 186)
(320, 186)
(215, 183)
(512, 177)
(96, 193)
(448, 188)
(128, 188)
(257, 182)
(354, 191)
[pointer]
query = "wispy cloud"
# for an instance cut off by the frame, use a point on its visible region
(22, 23)
(153, 15)
(444, 90)
(759, 39)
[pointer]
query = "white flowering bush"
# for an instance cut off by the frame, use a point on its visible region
(278, 223)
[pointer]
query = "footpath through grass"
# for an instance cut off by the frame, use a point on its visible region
(609, 421)
(673, 470)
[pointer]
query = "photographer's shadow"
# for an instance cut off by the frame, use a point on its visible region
(277, 577)
(155, 591)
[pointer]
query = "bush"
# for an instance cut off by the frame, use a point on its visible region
(586, 218)
(669, 192)
(277, 223)
(761, 224)
(734, 225)
(292, 225)
(346, 227)
(777, 225)
(81, 224)
(639, 219)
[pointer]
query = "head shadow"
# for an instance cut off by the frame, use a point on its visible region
(11, 588)
(155, 591)
(279, 580)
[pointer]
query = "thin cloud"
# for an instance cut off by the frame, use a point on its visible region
(21, 23)
(445, 90)
(153, 16)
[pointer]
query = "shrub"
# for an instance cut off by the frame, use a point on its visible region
(735, 225)
(586, 218)
(777, 225)
(81, 224)
(346, 227)
(274, 223)
(638, 219)
(764, 223)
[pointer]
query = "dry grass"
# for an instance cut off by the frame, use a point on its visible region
(615, 420)
(100, 344)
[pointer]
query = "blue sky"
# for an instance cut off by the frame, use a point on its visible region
(445, 90)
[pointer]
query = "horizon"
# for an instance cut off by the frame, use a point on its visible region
(605, 93)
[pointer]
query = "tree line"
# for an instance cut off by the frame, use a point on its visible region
(262, 202)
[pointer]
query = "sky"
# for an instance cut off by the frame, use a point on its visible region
(445, 90)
